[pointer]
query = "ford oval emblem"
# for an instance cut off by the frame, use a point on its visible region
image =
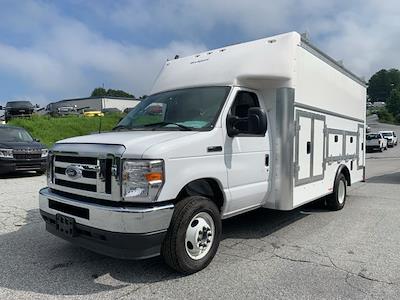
(73, 172)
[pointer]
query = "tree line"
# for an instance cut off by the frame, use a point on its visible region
(384, 86)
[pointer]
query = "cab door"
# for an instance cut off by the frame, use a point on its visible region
(246, 156)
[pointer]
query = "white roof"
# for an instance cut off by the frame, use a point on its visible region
(267, 58)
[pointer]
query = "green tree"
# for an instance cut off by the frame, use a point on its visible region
(118, 93)
(102, 92)
(382, 83)
(393, 103)
(385, 116)
(99, 92)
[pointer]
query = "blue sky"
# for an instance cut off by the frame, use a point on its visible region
(51, 50)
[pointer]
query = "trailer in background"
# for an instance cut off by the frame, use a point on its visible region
(77, 105)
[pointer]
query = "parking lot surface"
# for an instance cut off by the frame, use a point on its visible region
(308, 253)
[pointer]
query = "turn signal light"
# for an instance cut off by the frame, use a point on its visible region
(154, 176)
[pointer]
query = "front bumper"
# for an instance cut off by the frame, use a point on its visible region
(390, 142)
(16, 165)
(117, 231)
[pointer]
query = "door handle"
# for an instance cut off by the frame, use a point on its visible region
(308, 147)
(266, 160)
(214, 149)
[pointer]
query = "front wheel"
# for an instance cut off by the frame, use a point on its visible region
(193, 236)
(337, 199)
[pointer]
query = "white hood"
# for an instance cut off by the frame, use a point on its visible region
(135, 142)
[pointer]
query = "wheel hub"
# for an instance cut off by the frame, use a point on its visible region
(199, 236)
(341, 192)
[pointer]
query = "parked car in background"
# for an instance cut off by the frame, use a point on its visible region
(18, 109)
(376, 141)
(110, 110)
(20, 152)
(95, 113)
(390, 136)
(67, 110)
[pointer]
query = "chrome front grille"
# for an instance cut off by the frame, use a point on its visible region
(88, 167)
(87, 170)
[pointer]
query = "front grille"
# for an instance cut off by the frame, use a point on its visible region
(76, 185)
(77, 160)
(27, 153)
(27, 156)
(93, 175)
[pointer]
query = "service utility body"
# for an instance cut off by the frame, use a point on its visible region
(272, 123)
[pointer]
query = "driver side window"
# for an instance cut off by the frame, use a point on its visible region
(240, 108)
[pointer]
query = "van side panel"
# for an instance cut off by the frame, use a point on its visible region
(318, 84)
(335, 105)
(335, 145)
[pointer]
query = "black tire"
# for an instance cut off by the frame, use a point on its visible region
(173, 249)
(333, 202)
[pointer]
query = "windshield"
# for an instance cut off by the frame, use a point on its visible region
(373, 136)
(19, 104)
(185, 109)
(386, 134)
(10, 134)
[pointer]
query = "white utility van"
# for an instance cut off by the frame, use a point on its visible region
(271, 123)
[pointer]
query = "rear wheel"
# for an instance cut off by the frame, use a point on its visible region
(193, 236)
(337, 199)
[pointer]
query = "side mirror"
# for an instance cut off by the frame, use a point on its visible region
(257, 121)
(254, 124)
(37, 140)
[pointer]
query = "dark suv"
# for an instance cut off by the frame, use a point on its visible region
(16, 109)
(20, 152)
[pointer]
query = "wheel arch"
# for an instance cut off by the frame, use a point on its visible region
(345, 171)
(206, 187)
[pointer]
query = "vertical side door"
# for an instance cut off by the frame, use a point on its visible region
(310, 147)
(246, 156)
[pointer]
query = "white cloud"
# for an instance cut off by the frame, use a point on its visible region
(364, 34)
(68, 59)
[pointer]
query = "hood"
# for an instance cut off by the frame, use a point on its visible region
(21, 145)
(135, 142)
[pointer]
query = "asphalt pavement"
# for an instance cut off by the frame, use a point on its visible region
(308, 253)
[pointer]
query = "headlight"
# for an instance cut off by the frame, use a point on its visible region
(6, 153)
(45, 152)
(142, 179)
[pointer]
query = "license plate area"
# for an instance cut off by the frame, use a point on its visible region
(65, 225)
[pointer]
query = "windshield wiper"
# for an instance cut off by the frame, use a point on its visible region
(121, 127)
(162, 124)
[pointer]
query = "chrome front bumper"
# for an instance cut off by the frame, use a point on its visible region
(117, 219)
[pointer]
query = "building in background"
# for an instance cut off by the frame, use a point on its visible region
(92, 104)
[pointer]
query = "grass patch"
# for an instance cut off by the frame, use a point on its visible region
(50, 130)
